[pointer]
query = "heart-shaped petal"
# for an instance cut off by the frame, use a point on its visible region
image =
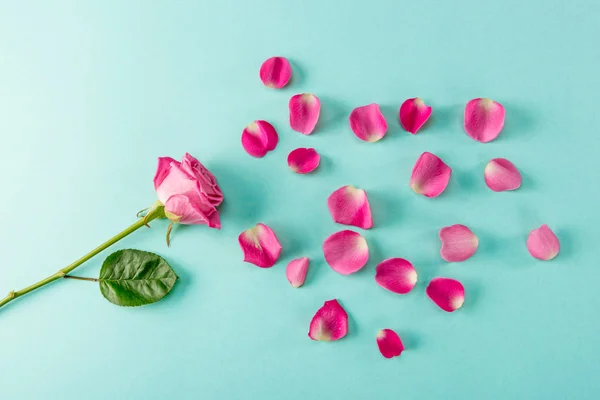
(447, 293)
(346, 252)
(430, 175)
(368, 123)
(296, 271)
(413, 114)
(389, 343)
(458, 243)
(260, 246)
(303, 161)
(275, 72)
(258, 138)
(304, 112)
(350, 206)
(329, 323)
(500, 175)
(396, 275)
(542, 243)
(484, 119)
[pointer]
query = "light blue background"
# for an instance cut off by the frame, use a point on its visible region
(91, 93)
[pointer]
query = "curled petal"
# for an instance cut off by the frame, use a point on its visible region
(303, 161)
(389, 343)
(162, 170)
(329, 323)
(368, 123)
(430, 175)
(275, 72)
(396, 275)
(260, 246)
(413, 114)
(484, 119)
(542, 243)
(500, 175)
(192, 208)
(458, 243)
(346, 252)
(258, 138)
(304, 112)
(350, 206)
(448, 294)
(296, 271)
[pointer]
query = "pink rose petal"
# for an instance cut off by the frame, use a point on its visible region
(448, 294)
(275, 72)
(346, 252)
(389, 343)
(368, 123)
(260, 246)
(413, 114)
(500, 175)
(304, 112)
(350, 206)
(458, 243)
(303, 161)
(296, 271)
(430, 175)
(329, 323)
(542, 243)
(484, 119)
(258, 138)
(396, 275)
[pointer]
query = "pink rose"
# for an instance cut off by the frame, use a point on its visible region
(188, 190)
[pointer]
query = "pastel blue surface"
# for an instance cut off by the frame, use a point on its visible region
(91, 93)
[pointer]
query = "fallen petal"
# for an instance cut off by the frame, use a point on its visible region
(303, 161)
(296, 271)
(389, 343)
(396, 275)
(260, 246)
(542, 243)
(458, 243)
(430, 175)
(346, 252)
(275, 72)
(304, 112)
(413, 114)
(350, 206)
(368, 123)
(329, 323)
(258, 138)
(484, 119)
(500, 175)
(448, 294)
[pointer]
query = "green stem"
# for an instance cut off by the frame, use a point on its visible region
(157, 211)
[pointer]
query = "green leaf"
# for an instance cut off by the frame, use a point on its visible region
(133, 278)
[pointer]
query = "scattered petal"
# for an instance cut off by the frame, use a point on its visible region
(350, 206)
(296, 271)
(430, 175)
(346, 252)
(413, 114)
(448, 294)
(396, 275)
(484, 119)
(329, 323)
(275, 72)
(389, 343)
(368, 123)
(258, 138)
(500, 175)
(303, 161)
(260, 246)
(458, 243)
(542, 243)
(304, 112)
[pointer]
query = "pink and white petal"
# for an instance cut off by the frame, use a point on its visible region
(389, 343)
(258, 138)
(329, 323)
(484, 119)
(458, 243)
(350, 206)
(542, 243)
(191, 209)
(396, 275)
(430, 175)
(346, 252)
(275, 72)
(304, 112)
(413, 114)
(303, 161)
(368, 123)
(176, 181)
(500, 175)
(296, 271)
(447, 293)
(260, 246)
(162, 170)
